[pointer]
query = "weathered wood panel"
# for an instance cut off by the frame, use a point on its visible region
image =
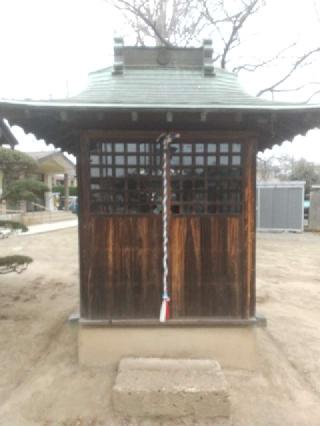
(206, 258)
(123, 275)
(212, 257)
(249, 228)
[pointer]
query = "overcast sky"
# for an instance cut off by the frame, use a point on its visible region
(49, 46)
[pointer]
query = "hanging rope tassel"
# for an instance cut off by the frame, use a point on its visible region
(164, 310)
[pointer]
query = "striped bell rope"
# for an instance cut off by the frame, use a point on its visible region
(166, 139)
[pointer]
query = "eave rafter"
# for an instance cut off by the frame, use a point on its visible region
(62, 126)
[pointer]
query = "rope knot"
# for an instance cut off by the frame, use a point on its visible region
(165, 297)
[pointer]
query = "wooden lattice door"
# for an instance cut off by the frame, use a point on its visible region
(210, 261)
(206, 230)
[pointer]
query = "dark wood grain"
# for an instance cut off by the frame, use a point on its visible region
(124, 273)
(212, 257)
(83, 217)
(249, 229)
(205, 266)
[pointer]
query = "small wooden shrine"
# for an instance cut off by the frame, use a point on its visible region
(116, 128)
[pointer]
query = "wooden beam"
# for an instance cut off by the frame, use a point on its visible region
(203, 116)
(169, 117)
(100, 116)
(134, 116)
(27, 113)
(64, 116)
(238, 117)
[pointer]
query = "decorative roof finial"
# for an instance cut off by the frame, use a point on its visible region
(118, 56)
(208, 68)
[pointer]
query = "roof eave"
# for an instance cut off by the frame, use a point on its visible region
(155, 107)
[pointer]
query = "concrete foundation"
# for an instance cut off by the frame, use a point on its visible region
(153, 387)
(232, 347)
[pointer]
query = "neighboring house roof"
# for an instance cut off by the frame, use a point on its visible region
(53, 162)
(39, 155)
(156, 81)
(6, 135)
(48, 161)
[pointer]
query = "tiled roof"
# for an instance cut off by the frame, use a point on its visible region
(168, 87)
(145, 84)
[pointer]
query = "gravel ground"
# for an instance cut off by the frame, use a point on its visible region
(42, 384)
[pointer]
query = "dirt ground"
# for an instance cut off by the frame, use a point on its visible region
(42, 384)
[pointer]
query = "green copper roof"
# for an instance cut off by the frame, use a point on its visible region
(168, 87)
(161, 88)
(164, 88)
(158, 78)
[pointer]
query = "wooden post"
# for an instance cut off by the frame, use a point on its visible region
(66, 191)
(3, 207)
(1, 182)
(48, 194)
(249, 226)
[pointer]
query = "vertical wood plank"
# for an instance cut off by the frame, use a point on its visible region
(125, 273)
(83, 217)
(177, 241)
(234, 266)
(212, 258)
(249, 228)
(206, 266)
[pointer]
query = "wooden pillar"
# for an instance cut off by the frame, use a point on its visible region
(3, 207)
(66, 191)
(249, 227)
(1, 183)
(48, 195)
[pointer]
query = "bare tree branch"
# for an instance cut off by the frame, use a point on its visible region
(315, 6)
(237, 25)
(137, 11)
(182, 22)
(294, 67)
(312, 96)
(236, 20)
(297, 89)
(254, 67)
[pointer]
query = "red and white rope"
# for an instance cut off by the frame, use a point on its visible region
(165, 213)
(166, 140)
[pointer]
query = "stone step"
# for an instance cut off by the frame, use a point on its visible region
(171, 388)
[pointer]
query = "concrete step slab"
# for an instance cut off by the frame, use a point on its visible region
(171, 388)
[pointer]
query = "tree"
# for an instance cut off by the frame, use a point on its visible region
(274, 167)
(25, 190)
(168, 23)
(16, 263)
(17, 168)
(186, 22)
(306, 171)
(287, 168)
(15, 164)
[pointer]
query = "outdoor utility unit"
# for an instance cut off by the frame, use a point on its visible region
(166, 150)
(280, 206)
